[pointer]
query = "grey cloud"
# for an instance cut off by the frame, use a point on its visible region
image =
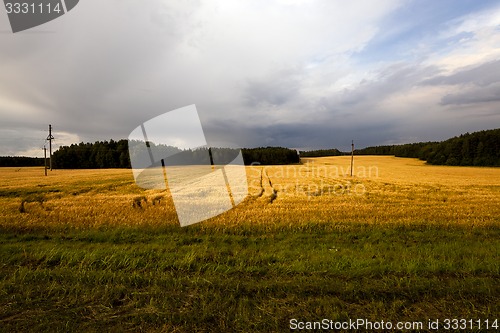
(388, 81)
(482, 75)
(361, 103)
(276, 89)
(474, 95)
(15, 140)
(92, 79)
(255, 83)
(31, 142)
(300, 135)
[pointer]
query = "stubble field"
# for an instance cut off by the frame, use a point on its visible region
(398, 241)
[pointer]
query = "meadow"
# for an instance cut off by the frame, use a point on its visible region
(88, 250)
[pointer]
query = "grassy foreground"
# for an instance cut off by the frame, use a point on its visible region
(409, 243)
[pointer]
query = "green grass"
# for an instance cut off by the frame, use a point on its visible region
(243, 278)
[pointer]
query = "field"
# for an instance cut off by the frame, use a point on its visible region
(88, 250)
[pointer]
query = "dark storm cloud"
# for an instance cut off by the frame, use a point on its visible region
(302, 136)
(276, 89)
(276, 72)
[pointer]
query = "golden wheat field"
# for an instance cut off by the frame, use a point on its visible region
(89, 250)
(382, 190)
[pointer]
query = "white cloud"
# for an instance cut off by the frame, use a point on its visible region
(473, 22)
(477, 38)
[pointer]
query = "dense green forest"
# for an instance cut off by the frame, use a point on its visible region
(270, 155)
(18, 161)
(321, 152)
(101, 154)
(414, 150)
(470, 149)
(115, 154)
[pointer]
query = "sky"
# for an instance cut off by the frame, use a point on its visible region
(305, 74)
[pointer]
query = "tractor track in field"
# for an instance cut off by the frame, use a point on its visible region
(261, 184)
(274, 194)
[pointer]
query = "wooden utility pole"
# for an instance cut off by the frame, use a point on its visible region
(211, 158)
(45, 159)
(50, 138)
(352, 156)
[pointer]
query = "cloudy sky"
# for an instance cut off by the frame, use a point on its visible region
(295, 73)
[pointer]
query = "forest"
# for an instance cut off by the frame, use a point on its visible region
(17, 161)
(115, 154)
(321, 152)
(469, 149)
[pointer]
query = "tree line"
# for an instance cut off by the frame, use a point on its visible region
(413, 150)
(97, 155)
(270, 155)
(470, 149)
(321, 152)
(116, 154)
(20, 161)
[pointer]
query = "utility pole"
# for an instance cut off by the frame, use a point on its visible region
(211, 158)
(50, 138)
(45, 159)
(352, 155)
